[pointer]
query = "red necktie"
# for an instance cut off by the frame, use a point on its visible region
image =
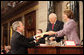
(52, 26)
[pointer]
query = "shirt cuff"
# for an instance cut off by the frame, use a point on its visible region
(34, 37)
(35, 41)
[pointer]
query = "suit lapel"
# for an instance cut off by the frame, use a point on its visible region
(56, 25)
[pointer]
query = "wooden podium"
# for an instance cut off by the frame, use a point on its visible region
(56, 50)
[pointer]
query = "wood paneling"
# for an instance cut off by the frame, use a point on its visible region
(30, 24)
(17, 10)
(5, 34)
(56, 50)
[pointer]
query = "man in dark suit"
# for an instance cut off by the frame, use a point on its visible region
(53, 25)
(19, 43)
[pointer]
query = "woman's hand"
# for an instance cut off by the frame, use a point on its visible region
(50, 33)
(51, 38)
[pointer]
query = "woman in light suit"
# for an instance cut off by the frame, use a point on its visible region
(69, 29)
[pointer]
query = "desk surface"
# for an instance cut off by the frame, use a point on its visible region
(62, 46)
(56, 50)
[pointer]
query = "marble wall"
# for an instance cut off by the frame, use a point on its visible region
(41, 15)
(81, 19)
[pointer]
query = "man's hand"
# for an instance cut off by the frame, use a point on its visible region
(51, 38)
(39, 36)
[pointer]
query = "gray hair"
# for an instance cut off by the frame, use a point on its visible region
(15, 25)
(53, 15)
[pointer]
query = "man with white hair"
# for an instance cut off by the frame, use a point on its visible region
(54, 25)
(19, 43)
